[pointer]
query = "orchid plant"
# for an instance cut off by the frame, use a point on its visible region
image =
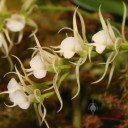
(73, 51)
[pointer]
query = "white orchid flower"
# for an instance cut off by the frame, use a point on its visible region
(34, 95)
(17, 94)
(37, 66)
(69, 46)
(44, 61)
(16, 23)
(76, 44)
(107, 37)
(101, 41)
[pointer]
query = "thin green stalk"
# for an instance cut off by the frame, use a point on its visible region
(122, 47)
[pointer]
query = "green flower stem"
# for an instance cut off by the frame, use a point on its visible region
(44, 96)
(122, 47)
(45, 84)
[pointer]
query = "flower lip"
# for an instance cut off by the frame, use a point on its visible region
(101, 40)
(38, 67)
(20, 98)
(69, 46)
(36, 62)
(15, 23)
(24, 105)
(39, 73)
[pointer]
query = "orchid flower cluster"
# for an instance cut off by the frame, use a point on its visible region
(73, 51)
(12, 25)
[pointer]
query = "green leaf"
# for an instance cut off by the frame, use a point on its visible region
(111, 6)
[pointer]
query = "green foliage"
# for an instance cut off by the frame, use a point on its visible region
(110, 6)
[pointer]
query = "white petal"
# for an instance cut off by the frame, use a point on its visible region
(69, 46)
(13, 85)
(16, 23)
(101, 41)
(38, 67)
(14, 26)
(99, 37)
(24, 105)
(36, 62)
(18, 97)
(39, 74)
(100, 48)
(68, 54)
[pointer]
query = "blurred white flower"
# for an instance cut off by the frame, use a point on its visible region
(16, 23)
(37, 66)
(101, 41)
(69, 46)
(17, 95)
